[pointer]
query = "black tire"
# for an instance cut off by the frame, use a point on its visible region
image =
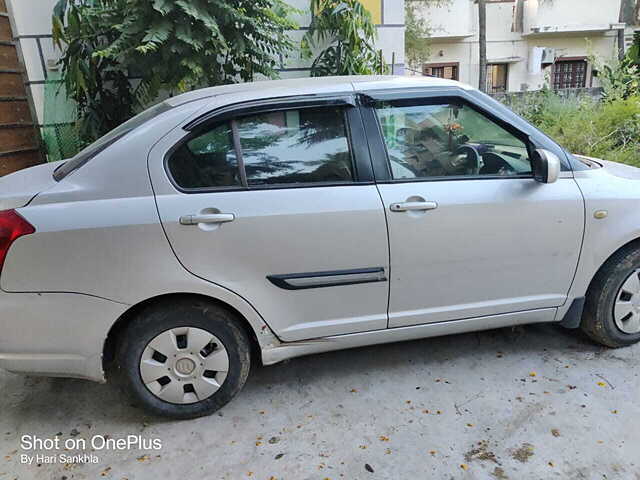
(167, 315)
(598, 318)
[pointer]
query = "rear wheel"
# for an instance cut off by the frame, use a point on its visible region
(612, 308)
(184, 359)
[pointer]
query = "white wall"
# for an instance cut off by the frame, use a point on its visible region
(571, 12)
(32, 27)
(452, 19)
(461, 18)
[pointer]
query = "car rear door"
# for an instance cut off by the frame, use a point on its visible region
(277, 203)
(470, 236)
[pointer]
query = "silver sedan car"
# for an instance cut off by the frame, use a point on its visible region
(259, 222)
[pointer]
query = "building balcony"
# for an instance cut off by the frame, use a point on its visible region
(572, 29)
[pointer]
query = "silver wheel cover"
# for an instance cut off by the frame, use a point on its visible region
(626, 311)
(184, 365)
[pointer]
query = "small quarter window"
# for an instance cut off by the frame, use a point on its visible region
(207, 160)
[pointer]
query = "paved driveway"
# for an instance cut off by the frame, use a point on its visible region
(536, 402)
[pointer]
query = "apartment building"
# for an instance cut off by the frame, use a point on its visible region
(530, 43)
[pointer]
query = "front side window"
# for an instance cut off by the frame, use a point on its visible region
(425, 141)
(308, 145)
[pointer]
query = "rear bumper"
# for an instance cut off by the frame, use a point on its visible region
(55, 334)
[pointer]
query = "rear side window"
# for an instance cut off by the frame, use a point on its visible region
(296, 146)
(304, 146)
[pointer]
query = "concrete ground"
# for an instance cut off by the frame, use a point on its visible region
(536, 402)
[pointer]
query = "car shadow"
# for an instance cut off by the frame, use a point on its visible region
(53, 400)
(428, 354)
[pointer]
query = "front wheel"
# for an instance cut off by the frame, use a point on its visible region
(612, 308)
(183, 359)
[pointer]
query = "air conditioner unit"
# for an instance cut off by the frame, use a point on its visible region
(548, 56)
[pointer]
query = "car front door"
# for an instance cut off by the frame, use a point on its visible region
(277, 203)
(471, 233)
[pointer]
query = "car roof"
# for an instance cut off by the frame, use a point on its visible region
(311, 85)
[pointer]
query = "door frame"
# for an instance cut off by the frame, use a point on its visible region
(362, 274)
(494, 111)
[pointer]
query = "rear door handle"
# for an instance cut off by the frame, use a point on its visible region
(207, 218)
(413, 206)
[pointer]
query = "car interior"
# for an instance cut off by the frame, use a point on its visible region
(449, 140)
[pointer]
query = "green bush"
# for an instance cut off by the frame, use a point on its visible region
(583, 125)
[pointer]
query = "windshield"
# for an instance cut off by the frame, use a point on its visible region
(109, 139)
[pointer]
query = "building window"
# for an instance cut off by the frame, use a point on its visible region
(569, 74)
(497, 77)
(441, 70)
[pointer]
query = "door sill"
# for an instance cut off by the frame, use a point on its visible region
(283, 351)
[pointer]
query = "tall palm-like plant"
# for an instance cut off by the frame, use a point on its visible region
(99, 86)
(345, 35)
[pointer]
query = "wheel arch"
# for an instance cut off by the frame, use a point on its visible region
(588, 269)
(258, 338)
(635, 243)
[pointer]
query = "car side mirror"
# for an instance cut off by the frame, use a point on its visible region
(546, 166)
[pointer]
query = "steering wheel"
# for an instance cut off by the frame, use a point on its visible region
(473, 159)
(494, 164)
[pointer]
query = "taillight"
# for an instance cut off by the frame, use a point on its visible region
(12, 226)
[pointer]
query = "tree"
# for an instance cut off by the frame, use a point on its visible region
(482, 36)
(179, 45)
(345, 34)
(417, 31)
(171, 45)
(98, 86)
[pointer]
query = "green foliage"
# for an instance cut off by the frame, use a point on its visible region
(99, 86)
(583, 125)
(171, 46)
(178, 45)
(634, 52)
(345, 34)
(416, 36)
(620, 79)
(417, 31)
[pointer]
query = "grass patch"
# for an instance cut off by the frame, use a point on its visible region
(608, 129)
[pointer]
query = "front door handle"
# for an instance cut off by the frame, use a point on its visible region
(413, 206)
(207, 218)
